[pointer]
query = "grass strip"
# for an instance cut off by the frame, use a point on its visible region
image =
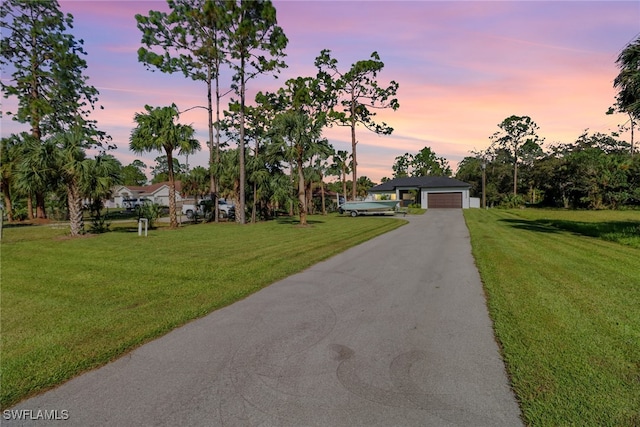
(70, 305)
(566, 312)
(615, 226)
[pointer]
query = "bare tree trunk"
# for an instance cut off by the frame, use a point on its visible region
(212, 179)
(256, 149)
(74, 201)
(241, 214)
(324, 208)
(255, 198)
(7, 203)
(515, 177)
(293, 180)
(36, 132)
(40, 208)
(173, 217)
(354, 168)
(632, 142)
(344, 183)
(29, 207)
(308, 197)
(301, 194)
(236, 197)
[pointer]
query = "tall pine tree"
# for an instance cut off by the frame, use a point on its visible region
(47, 73)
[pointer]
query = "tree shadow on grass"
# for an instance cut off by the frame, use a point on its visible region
(607, 230)
(125, 230)
(17, 224)
(601, 229)
(121, 228)
(522, 224)
(290, 220)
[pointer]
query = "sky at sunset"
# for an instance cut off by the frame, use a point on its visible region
(462, 66)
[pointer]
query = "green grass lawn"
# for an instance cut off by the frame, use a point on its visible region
(563, 291)
(616, 226)
(69, 305)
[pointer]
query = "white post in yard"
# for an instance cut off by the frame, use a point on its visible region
(146, 226)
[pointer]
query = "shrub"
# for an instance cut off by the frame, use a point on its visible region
(150, 211)
(99, 224)
(512, 201)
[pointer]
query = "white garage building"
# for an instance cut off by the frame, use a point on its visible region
(430, 192)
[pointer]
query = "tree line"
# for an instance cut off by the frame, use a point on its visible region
(278, 137)
(597, 171)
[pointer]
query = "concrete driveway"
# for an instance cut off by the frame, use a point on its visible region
(394, 332)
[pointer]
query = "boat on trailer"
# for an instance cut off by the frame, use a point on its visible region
(373, 207)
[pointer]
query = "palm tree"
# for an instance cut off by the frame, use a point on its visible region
(74, 169)
(82, 177)
(341, 168)
(158, 131)
(229, 177)
(196, 183)
(37, 172)
(259, 177)
(301, 136)
(104, 172)
(319, 169)
(9, 160)
(363, 185)
(628, 83)
(281, 191)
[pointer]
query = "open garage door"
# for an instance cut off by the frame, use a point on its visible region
(444, 200)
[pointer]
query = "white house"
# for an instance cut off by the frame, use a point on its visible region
(155, 193)
(429, 192)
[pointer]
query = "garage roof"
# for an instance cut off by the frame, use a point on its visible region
(420, 182)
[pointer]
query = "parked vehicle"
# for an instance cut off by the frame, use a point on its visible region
(131, 204)
(204, 209)
(226, 208)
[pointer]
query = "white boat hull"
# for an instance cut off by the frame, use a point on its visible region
(382, 207)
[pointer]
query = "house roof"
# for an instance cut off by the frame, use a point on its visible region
(151, 189)
(420, 182)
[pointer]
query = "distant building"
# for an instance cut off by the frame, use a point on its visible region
(429, 192)
(124, 196)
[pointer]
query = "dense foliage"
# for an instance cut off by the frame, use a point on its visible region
(424, 163)
(596, 171)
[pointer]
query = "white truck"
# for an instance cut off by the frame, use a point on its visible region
(131, 204)
(204, 207)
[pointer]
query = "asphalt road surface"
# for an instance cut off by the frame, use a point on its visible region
(393, 332)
